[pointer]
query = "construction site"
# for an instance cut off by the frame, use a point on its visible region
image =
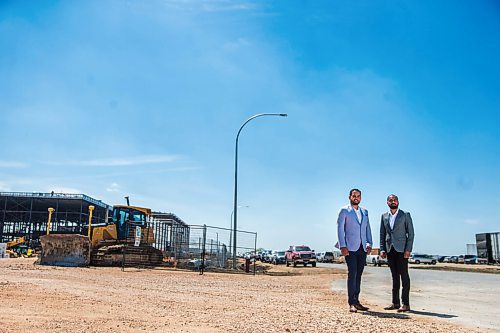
(81, 265)
(77, 230)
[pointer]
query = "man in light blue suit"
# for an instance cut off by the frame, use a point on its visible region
(355, 241)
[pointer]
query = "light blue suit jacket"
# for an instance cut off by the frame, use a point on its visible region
(351, 232)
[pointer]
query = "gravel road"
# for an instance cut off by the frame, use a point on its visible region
(55, 299)
(464, 297)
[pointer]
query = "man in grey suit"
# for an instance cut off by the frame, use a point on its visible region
(355, 240)
(396, 242)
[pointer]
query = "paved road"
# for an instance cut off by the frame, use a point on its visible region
(471, 299)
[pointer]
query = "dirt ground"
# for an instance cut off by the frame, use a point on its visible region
(54, 299)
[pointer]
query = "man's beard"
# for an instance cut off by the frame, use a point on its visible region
(393, 206)
(354, 203)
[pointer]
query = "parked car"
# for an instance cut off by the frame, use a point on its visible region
(278, 257)
(375, 258)
(300, 254)
(450, 259)
(470, 259)
(267, 256)
(338, 258)
(461, 259)
(264, 255)
(325, 256)
(453, 259)
(473, 259)
(196, 264)
(482, 261)
(250, 255)
(422, 258)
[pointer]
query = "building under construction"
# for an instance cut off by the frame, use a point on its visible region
(27, 214)
(170, 231)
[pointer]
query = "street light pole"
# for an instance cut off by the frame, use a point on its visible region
(235, 209)
(231, 228)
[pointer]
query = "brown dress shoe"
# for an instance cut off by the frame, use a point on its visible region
(392, 307)
(404, 308)
(352, 308)
(360, 307)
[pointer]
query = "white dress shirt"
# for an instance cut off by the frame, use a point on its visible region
(392, 218)
(358, 213)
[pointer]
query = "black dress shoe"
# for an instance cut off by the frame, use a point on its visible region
(360, 307)
(392, 307)
(404, 308)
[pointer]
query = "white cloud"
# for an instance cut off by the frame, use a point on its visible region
(114, 187)
(12, 164)
(111, 162)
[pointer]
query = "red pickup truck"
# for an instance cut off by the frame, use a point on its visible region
(300, 254)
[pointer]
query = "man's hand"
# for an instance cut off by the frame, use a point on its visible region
(383, 254)
(368, 249)
(407, 254)
(344, 251)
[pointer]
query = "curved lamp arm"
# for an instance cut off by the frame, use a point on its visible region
(235, 209)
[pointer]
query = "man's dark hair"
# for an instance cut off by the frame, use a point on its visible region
(392, 195)
(354, 190)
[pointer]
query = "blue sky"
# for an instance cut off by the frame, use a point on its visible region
(114, 98)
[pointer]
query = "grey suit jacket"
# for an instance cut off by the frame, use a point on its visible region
(400, 237)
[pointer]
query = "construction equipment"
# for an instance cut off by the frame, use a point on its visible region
(18, 248)
(16, 242)
(125, 240)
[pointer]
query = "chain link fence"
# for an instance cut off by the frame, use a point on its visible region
(193, 247)
(210, 248)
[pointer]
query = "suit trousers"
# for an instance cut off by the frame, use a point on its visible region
(399, 270)
(356, 261)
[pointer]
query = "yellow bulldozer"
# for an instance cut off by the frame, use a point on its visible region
(124, 239)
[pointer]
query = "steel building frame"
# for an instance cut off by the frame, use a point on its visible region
(170, 231)
(26, 214)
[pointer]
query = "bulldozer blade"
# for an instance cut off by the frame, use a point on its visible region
(65, 250)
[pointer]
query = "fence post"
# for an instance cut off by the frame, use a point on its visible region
(255, 253)
(202, 267)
